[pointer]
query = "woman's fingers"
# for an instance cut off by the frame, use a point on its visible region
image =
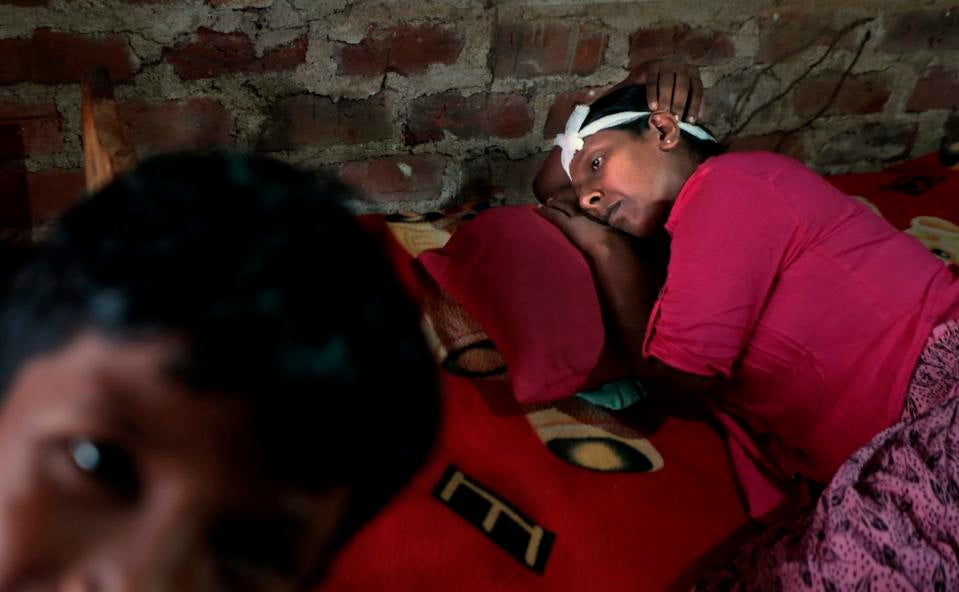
(681, 92)
(694, 111)
(664, 91)
(564, 206)
(555, 216)
(670, 86)
(652, 90)
(560, 219)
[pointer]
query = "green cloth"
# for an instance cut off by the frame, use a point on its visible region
(615, 395)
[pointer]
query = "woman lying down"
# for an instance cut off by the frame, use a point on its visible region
(824, 340)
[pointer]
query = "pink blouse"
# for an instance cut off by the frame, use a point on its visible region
(813, 307)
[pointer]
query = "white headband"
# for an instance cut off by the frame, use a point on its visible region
(571, 141)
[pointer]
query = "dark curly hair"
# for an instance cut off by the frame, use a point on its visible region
(280, 295)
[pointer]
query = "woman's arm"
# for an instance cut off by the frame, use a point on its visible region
(628, 278)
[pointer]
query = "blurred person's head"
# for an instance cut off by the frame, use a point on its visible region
(209, 378)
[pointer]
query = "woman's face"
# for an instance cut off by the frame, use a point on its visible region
(628, 181)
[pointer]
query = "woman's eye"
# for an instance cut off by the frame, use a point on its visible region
(107, 465)
(597, 162)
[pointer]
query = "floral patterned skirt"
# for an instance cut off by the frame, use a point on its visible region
(889, 519)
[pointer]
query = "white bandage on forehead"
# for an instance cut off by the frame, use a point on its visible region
(571, 141)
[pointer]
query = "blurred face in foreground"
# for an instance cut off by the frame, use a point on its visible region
(113, 476)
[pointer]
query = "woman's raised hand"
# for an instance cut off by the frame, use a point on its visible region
(671, 85)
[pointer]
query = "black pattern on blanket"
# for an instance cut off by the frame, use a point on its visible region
(579, 433)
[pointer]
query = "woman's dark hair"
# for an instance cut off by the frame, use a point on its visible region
(280, 297)
(633, 98)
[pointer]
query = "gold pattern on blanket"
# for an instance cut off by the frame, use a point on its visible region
(588, 436)
(420, 232)
(514, 532)
(864, 201)
(938, 235)
(419, 237)
(458, 342)
(580, 433)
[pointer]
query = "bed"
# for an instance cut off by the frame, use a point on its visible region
(560, 495)
(500, 506)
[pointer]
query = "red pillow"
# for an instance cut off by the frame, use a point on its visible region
(533, 293)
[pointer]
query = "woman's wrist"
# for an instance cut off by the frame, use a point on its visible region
(611, 248)
(619, 263)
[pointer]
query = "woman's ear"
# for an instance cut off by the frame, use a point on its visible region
(666, 127)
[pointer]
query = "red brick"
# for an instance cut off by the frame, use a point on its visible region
(871, 142)
(176, 125)
(589, 52)
(563, 105)
(397, 178)
(478, 116)
(937, 89)
(212, 54)
(860, 94)
(403, 49)
(700, 47)
(738, 96)
(51, 57)
(788, 144)
(525, 50)
(53, 191)
(918, 30)
(785, 34)
(38, 127)
(311, 120)
(530, 49)
(495, 175)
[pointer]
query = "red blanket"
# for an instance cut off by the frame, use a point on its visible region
(496, 509)
(607, 531)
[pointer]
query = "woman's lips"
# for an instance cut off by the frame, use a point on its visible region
(611, 212)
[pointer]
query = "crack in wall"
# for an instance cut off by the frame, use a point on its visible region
(761, 90)
(828, 52)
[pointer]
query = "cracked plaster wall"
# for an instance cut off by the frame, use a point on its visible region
(428, 103)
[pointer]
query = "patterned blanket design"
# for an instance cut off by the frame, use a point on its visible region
(496, 508)
(581, 434)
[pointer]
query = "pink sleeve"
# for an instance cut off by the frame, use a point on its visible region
(731, 233)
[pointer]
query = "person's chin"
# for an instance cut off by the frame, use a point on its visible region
(639, 230)
(622, 222)
(619, 219)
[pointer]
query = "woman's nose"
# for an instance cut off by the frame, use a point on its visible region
(590, 200)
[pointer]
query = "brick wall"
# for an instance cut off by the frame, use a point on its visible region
(427, 102)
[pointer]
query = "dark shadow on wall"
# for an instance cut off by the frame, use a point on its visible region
(14, 190)
(15, 216)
